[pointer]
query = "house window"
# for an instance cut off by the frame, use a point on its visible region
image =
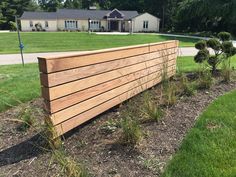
(94, 24)
(46, 24)
(71, 24)
(31, 23)
(145, 24)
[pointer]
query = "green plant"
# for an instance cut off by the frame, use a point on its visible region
(224, 36)
(170, 94)
(26, 116)
(205, 80)
(151, 110)
(226, 71)
(68, 165)
(131, 131)
(187, 87)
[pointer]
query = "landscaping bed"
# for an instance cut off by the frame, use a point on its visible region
(97, 144)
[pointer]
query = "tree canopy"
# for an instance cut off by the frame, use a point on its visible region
(176, 15)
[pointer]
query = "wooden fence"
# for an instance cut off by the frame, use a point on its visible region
(79, 87)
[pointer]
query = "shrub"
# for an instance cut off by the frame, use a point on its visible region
(226, 71)
(224, 36)
(200, 45)
(188, 88)
(214, 44)
(205, 80)
(170, 97)
(132, 133)
(151, 110)
(201, 56)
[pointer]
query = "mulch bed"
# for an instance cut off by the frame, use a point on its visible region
(99, 149)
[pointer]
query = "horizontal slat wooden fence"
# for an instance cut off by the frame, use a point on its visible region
(79, 87)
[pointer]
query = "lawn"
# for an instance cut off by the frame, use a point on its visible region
(187, 64)
(210, 147)
(18, 84)
(21, 84)
(74, 41)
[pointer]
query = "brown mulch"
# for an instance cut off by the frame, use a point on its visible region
(97, 146)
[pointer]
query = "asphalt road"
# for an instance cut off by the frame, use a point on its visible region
(8, 59)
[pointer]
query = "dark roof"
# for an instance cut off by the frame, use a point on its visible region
(75, 13)
(39, 15)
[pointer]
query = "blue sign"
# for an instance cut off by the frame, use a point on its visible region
(21, 46)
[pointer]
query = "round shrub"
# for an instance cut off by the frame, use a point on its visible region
(227, 47)
(224, 36)
(200, 45)
(201, 56)
(214, 44)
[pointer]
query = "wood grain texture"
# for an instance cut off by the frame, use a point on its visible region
(79, 87)
(67, 101)
(68, 62)
(75, 86)
(57, 78)
(81, 118)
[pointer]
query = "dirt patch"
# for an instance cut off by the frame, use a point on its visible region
(95, 143)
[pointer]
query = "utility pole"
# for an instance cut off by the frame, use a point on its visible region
(21, 46)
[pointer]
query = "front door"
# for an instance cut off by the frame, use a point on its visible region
(114, 25)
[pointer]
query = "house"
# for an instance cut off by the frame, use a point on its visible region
(89, 20)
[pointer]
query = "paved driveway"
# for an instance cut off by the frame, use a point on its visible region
(7, 59)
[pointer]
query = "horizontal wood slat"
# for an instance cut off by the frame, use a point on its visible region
(61, 103)
(57, 78)
(71, 87)
(49, 65)
(76, 88)
(81, 118)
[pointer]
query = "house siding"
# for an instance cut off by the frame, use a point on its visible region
(52, 25)
(153, 23)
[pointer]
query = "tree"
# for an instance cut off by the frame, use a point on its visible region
(222, 47)
(10, 8)
(51, 5)
(73, 4)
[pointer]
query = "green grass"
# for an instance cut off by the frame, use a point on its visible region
(187, 64)
(18, 84)
(209, 149)
(74, 41)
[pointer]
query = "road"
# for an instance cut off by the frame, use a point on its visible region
(8, 59)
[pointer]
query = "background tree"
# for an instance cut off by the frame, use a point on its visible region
(10, 8)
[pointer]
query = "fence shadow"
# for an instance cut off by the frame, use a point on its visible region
(22, 151)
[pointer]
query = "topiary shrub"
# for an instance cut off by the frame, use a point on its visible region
(202, 56)
(200, 45)
(224, 36)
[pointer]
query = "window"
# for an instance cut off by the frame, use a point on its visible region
(145, 24)
(94, 24)
(71, 24)
(46, 24)
(31, 23)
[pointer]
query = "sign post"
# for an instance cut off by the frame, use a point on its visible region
(21, 46)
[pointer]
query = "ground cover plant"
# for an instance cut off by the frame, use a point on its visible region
(74, 41)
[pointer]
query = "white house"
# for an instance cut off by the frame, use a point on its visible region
(94, 20)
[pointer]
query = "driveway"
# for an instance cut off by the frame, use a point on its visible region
(8, 59)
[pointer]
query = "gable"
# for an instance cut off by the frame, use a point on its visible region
(115, 14)
(146, 15)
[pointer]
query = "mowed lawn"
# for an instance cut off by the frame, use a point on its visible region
(76, 41)
(209, 149)
(20, 84)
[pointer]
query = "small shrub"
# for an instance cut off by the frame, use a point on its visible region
(224, 36)
(205, 80)
(200, 45)
(226, 71)
(69, 166)
(132, 133)
(110, 126)
(170, 95)
(201, 56)
(151, 110)
(188, 88)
